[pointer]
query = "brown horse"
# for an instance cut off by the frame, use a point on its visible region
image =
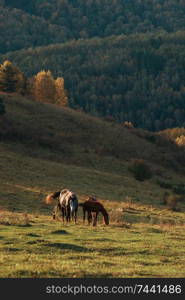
(93, 208)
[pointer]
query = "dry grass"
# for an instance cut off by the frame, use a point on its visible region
(14, 219)
(60, 128)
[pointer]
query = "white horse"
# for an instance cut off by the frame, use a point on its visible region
(67, 203)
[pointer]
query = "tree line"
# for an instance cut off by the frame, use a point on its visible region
(41, 87)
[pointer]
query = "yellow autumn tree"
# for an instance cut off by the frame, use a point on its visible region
(44, 87)
(61, 94)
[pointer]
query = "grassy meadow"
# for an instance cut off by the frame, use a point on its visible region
(44, 149)
(37, 246)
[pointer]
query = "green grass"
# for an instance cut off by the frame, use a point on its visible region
(48, 248)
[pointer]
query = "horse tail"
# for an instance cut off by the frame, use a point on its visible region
(49, 199)
(105, 216)
(74, 203)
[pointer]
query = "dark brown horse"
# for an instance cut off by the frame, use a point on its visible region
(93, 208)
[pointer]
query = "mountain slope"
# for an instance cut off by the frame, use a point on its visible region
(19, 30)
(125, 59)
(138, 78)
(85, 19)
(45, 22)
(44, 148)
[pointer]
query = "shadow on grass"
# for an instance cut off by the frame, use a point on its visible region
(32, 274)
(146, 252)
(62, 246)
(111, 251)
(31, 242)
(32, 235)
(7, 223)
(13, 249)
(60, 232)
(24, 225)
(121, 251)
(94, 275)
(55, 274)
(154, 230)
(104, 240)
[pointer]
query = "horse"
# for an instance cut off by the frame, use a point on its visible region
(93, 208)
(67, 204)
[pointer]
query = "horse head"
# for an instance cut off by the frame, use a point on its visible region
(105, 216)
(106, 219)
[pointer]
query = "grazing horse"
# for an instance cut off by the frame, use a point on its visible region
(93, 208)
(67, 204)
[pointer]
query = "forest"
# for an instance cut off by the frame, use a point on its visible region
(40, 22)
(137, 78)
(121, 60)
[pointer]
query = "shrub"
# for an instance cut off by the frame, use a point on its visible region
(128, 124)
(180, 141)
(150, 138)
(170, 200)
(2, 107)
(140, 170)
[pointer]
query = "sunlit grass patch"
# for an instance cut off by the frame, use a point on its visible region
(42, 250)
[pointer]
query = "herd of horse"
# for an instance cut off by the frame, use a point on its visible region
(68, 204)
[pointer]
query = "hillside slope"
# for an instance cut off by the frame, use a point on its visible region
(138, 78)
(45, 148)
(86, 19)
(19, 30)
(119, 58)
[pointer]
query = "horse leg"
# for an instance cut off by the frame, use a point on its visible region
(89, 217)
(55, 211)
(95, 215)
(84, 211)
(75, 216)
(63, 214)
(54, 214)
(68, 215)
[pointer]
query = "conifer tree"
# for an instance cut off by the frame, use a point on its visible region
(44, 87)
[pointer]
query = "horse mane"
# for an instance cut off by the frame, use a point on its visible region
(64, 191)
(50, 197)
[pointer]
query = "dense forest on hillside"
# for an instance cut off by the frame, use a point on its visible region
(20, 30)
(138, 78)
(41, 22)
(121, 59)
(88, 18)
